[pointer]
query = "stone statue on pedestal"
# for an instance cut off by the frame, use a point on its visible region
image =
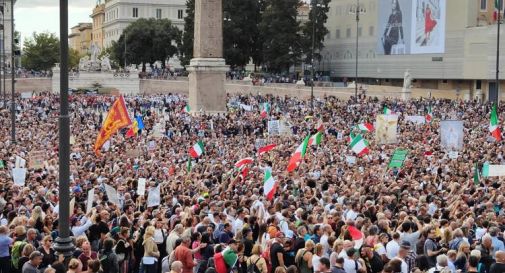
(105, 64)
(407, 85)
(95, 51)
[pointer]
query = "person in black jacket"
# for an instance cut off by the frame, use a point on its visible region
(393, 33)
(372, 259)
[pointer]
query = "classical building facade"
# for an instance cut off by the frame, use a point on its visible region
(80, 37)
(465, 61)
(98, 18)
(120, 13)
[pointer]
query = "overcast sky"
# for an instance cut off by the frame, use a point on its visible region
(43, 15)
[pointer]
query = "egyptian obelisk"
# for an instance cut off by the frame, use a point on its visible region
(207, 68)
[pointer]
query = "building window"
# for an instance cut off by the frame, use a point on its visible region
(483, 5)
(328, 36)
(337, 34)
(359, 31)
(370, 30)
(158, 13)
(135, 12)
(348, 33)
(180, 14)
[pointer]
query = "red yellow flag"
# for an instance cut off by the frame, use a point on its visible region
(117, 118)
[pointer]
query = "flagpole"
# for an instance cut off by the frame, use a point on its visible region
(498, 55)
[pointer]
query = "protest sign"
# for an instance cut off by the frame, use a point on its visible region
(416, 119)
(398, 158)
(112, 194)
(26, 95)
(493, 170)
(20, 162)
(151, 146)
(386, 129)
(154, 198)
(453, 154)
(91, 199)
(351, 160)
(273, 127)
(19, 176)
(37, 159)
(451, 134)
(72, 206)
(133, 153)
(260, 142)
(141, 186)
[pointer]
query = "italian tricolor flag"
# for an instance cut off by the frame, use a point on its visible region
(269, 185)
(197, 150)
(315, 139)
(429, 115)
(243, 162)
(265, 110)
(266, 149)
(298, 155)
(497, 9)
(365, 127)
(186, 109)
(493, 125)
(387, 111)
(359, 145)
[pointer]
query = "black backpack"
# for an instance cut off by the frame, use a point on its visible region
(252, 268)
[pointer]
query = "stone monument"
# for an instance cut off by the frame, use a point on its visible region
(208, 68)
(407, 85)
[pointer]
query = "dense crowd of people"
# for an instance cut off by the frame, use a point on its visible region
(329, 215)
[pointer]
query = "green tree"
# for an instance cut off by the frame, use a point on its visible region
(147, 41)
(73, 58)
(315, 27)
(41, 51)
(257, 37)
(281, 34)
(239, 31)
(186, 50)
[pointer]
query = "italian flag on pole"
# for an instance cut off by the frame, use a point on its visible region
(269, 185)
(387, 111)
(298, 155)
(186, 109)
(359, 145)
(365, 127)
(197, 150)
(315, 139)
(265, 111)
(497, 9)
(493, 125)
(429, 114)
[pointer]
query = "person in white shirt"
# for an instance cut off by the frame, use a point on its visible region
(351, 262)
(442, 264)
(238, 224)
(393, 247)
(324, 240)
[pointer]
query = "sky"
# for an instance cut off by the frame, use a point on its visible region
(43, 15)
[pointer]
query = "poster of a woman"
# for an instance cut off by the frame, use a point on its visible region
(429, 26)
(393, 33)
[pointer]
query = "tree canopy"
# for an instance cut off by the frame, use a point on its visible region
(41, 51)
(147, 41)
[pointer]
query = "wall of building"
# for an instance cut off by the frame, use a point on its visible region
(119, 14)
(98, 18)
(469, 50)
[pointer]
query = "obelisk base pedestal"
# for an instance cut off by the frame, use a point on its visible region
(206, 85)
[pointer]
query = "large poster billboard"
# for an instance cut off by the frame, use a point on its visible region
(411, 27)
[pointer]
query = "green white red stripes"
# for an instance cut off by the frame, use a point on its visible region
(493, 125)
(359, 145)
(197, 150)
(243, 162)
(265, 111)
(429, 114)
(269, 185)
(298, 155)
(365, 127)
(186, 109)
(387, 111)
(315, 139)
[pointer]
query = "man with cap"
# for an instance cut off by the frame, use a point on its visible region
(402, 256)
(32, 265)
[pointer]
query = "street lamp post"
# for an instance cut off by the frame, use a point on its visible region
(13, 80)
(357, 10)
(63, 244)
(314, 20)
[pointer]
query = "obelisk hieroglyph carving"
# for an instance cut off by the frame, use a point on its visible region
(207, 68)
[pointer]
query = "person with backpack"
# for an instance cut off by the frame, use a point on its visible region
(256, 263)
(303, 258)
(108, 259)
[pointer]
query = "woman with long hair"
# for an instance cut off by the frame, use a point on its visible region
(123, 250)
(38, 218)
(303, 259)
(429, 22)
(338, 245)
(151, 252)
(393, 33)
(256, 260)
(461, 262)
